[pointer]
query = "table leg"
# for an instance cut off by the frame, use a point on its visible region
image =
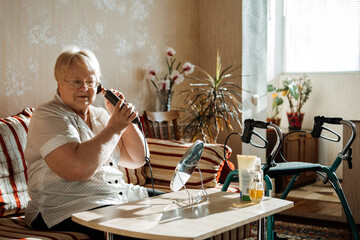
(261, 229)
(108, 236)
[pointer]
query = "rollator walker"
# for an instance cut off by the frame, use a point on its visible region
(272, 169)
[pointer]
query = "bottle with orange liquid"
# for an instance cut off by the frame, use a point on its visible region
(256, 191)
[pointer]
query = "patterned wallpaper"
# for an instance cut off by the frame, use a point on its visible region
(127, 36)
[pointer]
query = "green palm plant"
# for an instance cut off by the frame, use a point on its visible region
(215, 103)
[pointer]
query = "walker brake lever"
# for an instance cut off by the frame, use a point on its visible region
(349, 158)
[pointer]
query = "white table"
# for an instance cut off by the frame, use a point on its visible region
(160, 218)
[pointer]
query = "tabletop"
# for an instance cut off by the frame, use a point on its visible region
(161, 218)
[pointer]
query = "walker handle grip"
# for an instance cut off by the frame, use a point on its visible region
(318, 127)
(250, 124)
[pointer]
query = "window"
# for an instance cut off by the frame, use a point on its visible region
(321, 35)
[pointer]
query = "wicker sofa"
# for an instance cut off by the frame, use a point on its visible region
(164, 158)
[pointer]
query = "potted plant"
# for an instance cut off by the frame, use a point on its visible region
(214, 103)
(277, 101)
(297, 91)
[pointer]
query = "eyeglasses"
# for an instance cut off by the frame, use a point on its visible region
(78, 83)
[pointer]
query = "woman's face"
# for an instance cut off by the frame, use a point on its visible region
(81, 98)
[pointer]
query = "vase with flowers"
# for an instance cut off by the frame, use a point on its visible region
(174, 75)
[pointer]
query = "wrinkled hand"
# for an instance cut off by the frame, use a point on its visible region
(122, 114)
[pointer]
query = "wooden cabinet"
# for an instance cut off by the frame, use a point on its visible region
(297, 147)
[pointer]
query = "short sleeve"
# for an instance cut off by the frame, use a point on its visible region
(50, 129)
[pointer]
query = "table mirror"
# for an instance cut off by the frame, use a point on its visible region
(184, 170)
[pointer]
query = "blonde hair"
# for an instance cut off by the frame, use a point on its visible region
(73, 54)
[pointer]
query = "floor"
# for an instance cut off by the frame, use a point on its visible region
(315, 204)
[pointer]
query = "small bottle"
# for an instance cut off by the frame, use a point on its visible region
(256, 191)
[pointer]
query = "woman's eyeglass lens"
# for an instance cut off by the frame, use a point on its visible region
(78, 84)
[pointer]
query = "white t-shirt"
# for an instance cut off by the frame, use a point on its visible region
(52, 125)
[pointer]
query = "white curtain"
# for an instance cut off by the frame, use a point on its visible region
(254, 48)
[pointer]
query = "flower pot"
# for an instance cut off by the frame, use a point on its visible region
(295, 120)
(275, 121)
(164, 100)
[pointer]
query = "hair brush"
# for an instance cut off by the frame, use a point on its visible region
(112, 98)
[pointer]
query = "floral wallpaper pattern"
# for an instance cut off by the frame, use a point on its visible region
(127, 36)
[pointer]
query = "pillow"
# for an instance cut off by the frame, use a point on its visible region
(134, 176)
(166, 154)
(225, 169)
(14, 196)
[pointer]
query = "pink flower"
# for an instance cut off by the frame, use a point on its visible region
(170, 52)
(164, 84)
(180, 79)
(188, 68)
(176, 77)
(150, 75)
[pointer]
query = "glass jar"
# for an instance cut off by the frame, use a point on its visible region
(256, 191)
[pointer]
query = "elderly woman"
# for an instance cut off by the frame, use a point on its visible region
(73, 149)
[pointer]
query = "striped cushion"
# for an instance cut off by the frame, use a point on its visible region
(13, 170)
(134, 176)
(165, 155)
(15, 228)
